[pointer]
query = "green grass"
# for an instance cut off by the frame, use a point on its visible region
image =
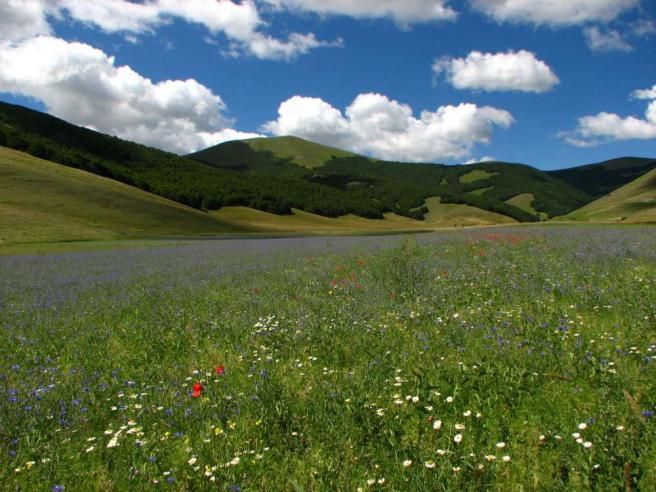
(299, 151)
(41, 201)
(476, 175)
(453, 215)
(632, 203)
(481, 191)
(338, 370)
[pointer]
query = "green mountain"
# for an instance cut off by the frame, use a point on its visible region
(280, 175)
(602, 178)
(41, 201)
(634, 202)
(402, 186)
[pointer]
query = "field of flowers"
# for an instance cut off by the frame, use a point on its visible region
(503, 359)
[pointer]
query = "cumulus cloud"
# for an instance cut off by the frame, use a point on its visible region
(643, 28)
(83, 85)
(378, 126)
(553, 12)
(23, 19)
(511, 71)
(239, 22)
(605, 41)
(607, 127)
(401, 11)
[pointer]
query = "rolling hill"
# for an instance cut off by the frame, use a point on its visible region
(632, 203)
(41, 201)
(600, 179)
(288, 176)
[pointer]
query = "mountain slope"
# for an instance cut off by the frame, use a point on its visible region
(600, 179)
(403, 186)
(296, 150)
(632, 203)
(42, 201)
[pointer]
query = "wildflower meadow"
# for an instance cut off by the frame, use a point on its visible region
(491, 359)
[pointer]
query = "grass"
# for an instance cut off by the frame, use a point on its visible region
(476, 175)
(42, 202)
(453, 215)
(490, 360)
(301, 152)
(440, 215)
(481, 191)
(632, 203)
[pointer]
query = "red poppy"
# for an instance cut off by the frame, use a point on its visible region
(197, 390)
(220, 370)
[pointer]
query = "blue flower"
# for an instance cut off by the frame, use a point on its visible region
(648, 414)
(58, 488)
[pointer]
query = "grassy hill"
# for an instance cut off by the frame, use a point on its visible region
(632, 203)
(280, 175)
(600, 179)
(297, 150)
(41, 201)
(401, 187)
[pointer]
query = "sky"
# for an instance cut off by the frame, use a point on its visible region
(550, 83)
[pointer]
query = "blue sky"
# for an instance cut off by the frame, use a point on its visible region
(507, 79)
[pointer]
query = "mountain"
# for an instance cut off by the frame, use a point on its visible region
(490, 185)
(281, 175)
(41, 201)
(632, 203)
(600, 179)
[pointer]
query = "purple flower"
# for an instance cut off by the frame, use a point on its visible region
(648, 414)
(58, 488)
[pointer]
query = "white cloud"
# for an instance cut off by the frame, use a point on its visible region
(553, 12)
(511, 71)
(486, 158)
(401, 11)
(82, 84)
(375, 125)
(239, 22)
(605, 41)
(23, 19)
(607, 127)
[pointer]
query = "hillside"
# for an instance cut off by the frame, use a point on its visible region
(400, 186)
(632, 203)
(297, 150)
(600, 179)
(279, 175)
(41, 201)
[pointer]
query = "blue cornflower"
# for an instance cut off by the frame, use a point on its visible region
(58, 488)
(648, 414)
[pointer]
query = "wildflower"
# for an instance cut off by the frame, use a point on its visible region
(30, 464)
(459, 427)
(437, 425)
(619, 428)
(587, 444)
(407, 463)
(576, 435)
(457, 438)
(506, 459)
(89, 449)
(220, 370)
(192, 461)
(501, 445)
(467, 413)
(430, 464)
(542, 437)
(371, 481)
(113, 442)
(197, 390)
(441, 452)
(449, 399)
(648, 414)
(490, 457)
(583, 426)
(456, 469)
(58, 488)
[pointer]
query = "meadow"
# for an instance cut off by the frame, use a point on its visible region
(520, 358)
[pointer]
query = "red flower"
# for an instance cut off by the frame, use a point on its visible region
(220, 370)
(197, 390)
